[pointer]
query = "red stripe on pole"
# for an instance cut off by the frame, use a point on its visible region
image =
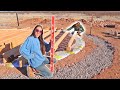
(52, 45)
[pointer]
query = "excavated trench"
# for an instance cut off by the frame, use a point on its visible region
(99, 59)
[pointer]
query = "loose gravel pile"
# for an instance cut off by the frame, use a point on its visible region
(99, 59)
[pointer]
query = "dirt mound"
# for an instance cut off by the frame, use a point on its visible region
(34, 21)
(31, 20)
(62, 23)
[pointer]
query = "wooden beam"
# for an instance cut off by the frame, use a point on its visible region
(46, 34)
(20, 40)
(9, 34)
(60, 40)
(14, 36)
(12, 42)
(20, 61)
(14, 51)
(44, 31)
(68, 48)
(47, 28)
(14, 29)
(56, 33)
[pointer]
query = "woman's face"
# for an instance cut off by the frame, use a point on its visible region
(38, 31)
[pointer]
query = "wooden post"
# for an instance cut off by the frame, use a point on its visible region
(17, 19)
(4, 60)
(20, 61)
(91, 24)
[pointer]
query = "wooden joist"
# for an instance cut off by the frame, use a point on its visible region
(14, 36)
(46, 34)
(10, 53)
(8, 43)
(20, 40)
(56, 33)
(5, 47)
(9, 33)
(60, 40)
(68, 48)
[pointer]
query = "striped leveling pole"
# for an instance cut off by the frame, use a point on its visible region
(52, 44)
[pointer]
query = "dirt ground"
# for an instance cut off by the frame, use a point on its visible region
(112, 72)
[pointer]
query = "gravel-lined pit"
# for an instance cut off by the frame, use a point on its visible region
(99, 59)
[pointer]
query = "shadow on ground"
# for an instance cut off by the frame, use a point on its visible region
(23, 70)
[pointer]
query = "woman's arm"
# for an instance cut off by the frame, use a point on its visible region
(70, 28)
(25, 49)
(81, 28)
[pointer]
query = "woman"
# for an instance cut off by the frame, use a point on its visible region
(33, 49)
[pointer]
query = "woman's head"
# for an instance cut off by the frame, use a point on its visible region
(38, 33)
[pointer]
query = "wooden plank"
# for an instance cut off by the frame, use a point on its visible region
(60, 40)
(47, 28)
(8, 33)
(20, 63)
(15, 29)
(8, 29)
(44, 31)
(20, 40)
(3, 33)
(68, 48)
(46, 34)
(4, 47)
(14, 51)
(4, 44)
(56, 33)
(15, 36)
(22, 60)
